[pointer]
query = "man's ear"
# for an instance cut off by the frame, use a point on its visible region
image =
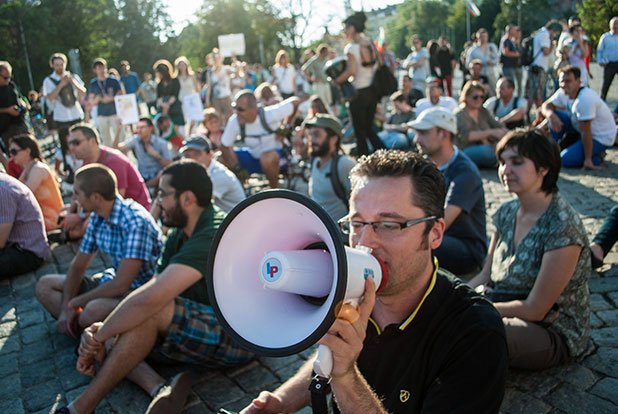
(187, 198)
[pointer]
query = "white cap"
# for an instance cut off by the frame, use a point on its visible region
(435, 117)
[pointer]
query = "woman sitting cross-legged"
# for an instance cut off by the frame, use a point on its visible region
(538, 264)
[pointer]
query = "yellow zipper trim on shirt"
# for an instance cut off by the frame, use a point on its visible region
(405, 324)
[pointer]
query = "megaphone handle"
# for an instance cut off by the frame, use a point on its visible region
(323, 364)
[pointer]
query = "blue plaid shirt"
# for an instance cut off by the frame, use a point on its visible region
(129, 233)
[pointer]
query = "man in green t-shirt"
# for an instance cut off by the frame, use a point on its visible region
(170, 315)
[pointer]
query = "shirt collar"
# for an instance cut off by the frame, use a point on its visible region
(451, 160)
(114, 216)
(411, 317)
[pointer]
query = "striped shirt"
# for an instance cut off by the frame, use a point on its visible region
(130, 232)
(19, 207)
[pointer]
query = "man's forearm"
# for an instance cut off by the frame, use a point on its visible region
(72, 283)
(112, 289)
(294, 393)
(354, 395)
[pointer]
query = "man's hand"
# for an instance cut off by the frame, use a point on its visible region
(151, 151)
(71, 221)
(589, 165)
(346, 336)
(555, 123)
(266, 403)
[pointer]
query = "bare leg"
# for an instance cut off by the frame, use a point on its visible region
(129, 350)
(49, 290)
(96, 311)
(270, 166)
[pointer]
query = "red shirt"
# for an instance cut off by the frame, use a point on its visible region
(127, 176)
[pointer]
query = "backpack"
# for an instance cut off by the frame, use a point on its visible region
(66, 94)
(338, 187)
(262, 117)
(527, 50)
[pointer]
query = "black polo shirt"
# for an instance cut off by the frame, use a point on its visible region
(450, 354)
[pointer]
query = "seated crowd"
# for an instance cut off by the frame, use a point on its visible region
(410, 190)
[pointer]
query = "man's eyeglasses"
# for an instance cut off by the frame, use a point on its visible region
(381, 228)
(14, 151)
(74, 142)
(161, 194)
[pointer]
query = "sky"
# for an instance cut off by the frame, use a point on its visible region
(183, 12)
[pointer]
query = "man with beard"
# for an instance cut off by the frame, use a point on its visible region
(329, 184)
(464, 244)
(169, 317)
(118, 227)
(423, 343)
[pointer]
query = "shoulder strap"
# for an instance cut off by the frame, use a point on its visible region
(56, 82)
(496, 105)
(262, 115)
(336, 182)
(515, 102)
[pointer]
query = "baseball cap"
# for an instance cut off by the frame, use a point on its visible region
(325, 121)
(435, 117)
(196, 142)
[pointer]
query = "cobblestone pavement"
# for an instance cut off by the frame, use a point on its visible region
(37, 372)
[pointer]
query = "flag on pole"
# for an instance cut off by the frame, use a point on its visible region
(473, 8)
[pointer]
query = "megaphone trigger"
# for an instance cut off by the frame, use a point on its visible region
(348, 311)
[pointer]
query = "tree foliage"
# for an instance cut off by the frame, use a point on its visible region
(595, 15)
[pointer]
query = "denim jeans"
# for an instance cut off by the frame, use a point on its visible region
(608, 233)
(483, 155)
(573, 156)
(455, 256)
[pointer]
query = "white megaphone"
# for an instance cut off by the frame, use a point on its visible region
(278, 273)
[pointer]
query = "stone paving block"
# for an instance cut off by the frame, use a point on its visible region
(198, 408)
(279, 363)
(613, 296)
(35, 352)
(603, 284)
(26, 292)
(239, 404)
(516, 402)
(71, 379)
(610, 317)
(579, 376)
(10, 386)
(37, 373)
(537, 383)
(10, 344)
(8, 364)
(598, 302)
(286, 372)
(63, 343)
(34, 333)
(12, 406)
(8, 328)
(30, 317)
(73, 394)
(595, 321)
(605, 361)
(5, 290)
(570, 399)
(606, 336)
(22, 281)
(255, 378)
(42, 395)
(127, 397)
(607, 388)
(46, 269)
(52, 408)
(218, 391)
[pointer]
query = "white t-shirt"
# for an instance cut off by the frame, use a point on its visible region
(445, 102)
(364, 74)
(503, 109)
(226, 189)
(61, 112)
(220, 80)
(257, 139)
(588, 106)
(285, 78)
(541, 40)
(420, 74)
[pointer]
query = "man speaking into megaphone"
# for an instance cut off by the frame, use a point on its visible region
(424, 342)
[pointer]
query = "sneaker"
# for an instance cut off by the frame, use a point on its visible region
(63, 410)
(171, 397)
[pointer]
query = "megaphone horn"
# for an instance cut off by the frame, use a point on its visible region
(278, 271)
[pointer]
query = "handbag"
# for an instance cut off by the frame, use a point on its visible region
(384, 82)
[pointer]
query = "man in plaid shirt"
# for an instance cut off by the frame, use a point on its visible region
(119, 227)
(169, 317)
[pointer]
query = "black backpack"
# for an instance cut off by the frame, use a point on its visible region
(338, 187)
(66, 94)
(527, 50)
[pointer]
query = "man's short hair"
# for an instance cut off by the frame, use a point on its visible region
(509, 82)
(89, 131)
(99, 62)
(188, 175)
(554, 26)
(60, 56)
(427, 181)
(97, 178)
(571, 69)
(542, 151)
(124, 63)
(251, 99)
(6, 65)
(475, 62)
(147, 120)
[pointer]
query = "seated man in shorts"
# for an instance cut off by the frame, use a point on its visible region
(256, 126)
(169, 317)
(120, 227)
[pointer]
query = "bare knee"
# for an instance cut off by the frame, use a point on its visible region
(96, 310)
(48, 287)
